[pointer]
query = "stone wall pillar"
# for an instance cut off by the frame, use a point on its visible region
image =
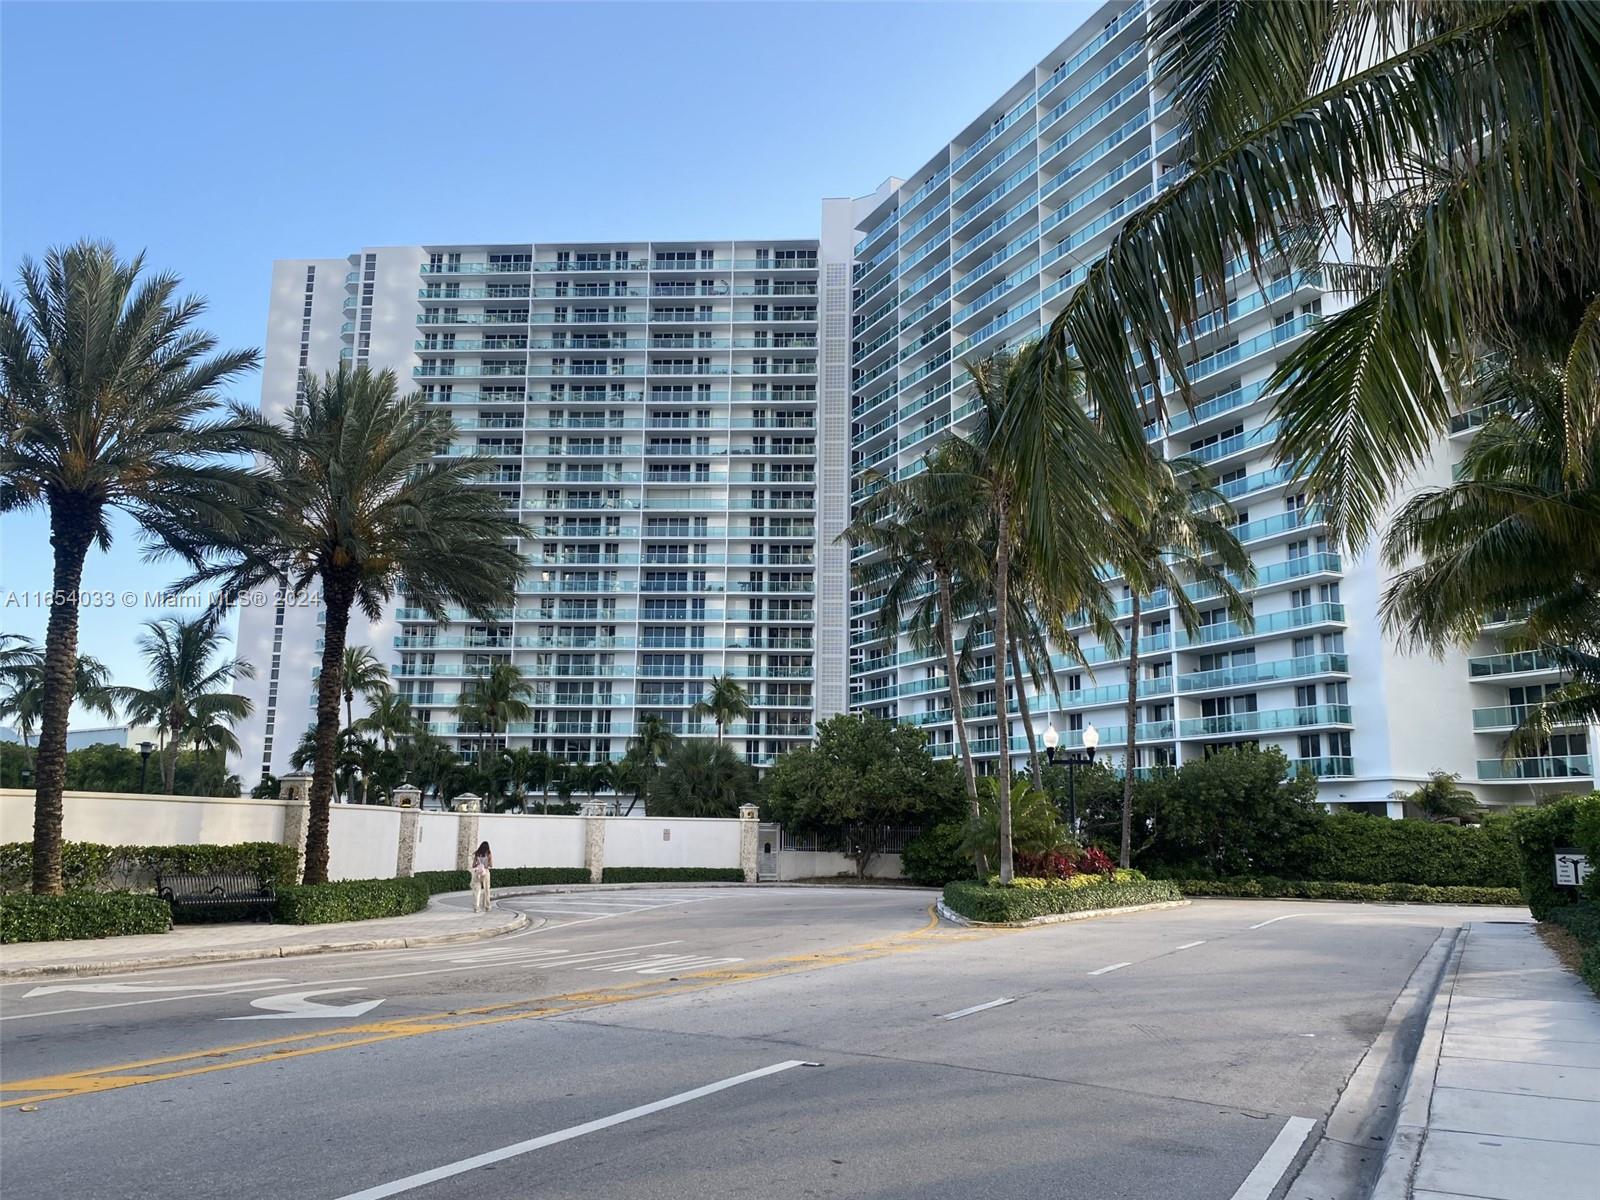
(405, 859)
(749, 841)
(594, 839)
(295, 791)
(466, 831)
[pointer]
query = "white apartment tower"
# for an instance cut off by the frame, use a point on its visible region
(684, 427)
(652, 416)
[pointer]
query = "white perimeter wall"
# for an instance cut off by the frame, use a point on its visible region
(665, 842)
(117, 819)
(363, 841)
(532, 841)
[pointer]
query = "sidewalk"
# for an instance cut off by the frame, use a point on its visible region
(188, 945)
(1512, 1109)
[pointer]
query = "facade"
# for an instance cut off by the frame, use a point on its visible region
(684, 427)
(126, 736)
(979, 249)
(651, 410)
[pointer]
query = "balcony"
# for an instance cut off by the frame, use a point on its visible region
(1508, 717)
(1268, 719)
(1563, 766)
(1324, 767)
(1251, 674)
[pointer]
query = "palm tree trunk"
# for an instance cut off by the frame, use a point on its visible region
(338, 595)
(1034, 765)
(947, 633)
(1002, 570)
(72, 523)
(1125, 855)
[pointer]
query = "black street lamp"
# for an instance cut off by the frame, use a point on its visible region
(144, 763)
(1073, 759)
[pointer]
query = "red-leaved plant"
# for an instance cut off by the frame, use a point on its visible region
(1095, 861)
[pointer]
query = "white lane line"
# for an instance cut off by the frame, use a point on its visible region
(1192, 945)
(977, 1008)
(1275, 920)
(462, 1166)
(1111, 968)
(1280, 1156)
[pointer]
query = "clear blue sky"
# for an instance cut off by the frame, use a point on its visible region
(218, 137)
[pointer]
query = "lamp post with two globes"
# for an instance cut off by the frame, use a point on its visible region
(1073, 759)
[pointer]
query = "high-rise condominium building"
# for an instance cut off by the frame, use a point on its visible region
(683, 427)
(653, 418)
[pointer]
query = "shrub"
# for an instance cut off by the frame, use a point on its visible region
(28, 918)
(350, 900)
(1359, 848)
(503, 877)
(90, 866)
(934, 857)
(1539, 831)
(1582, 921)
(1036, 826)
(1268, 887)
(982, 902)
(672, 875)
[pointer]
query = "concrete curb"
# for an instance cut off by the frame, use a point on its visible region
(517, 922)
(1411, 1128)
(956, 918)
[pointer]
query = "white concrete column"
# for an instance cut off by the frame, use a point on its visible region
(749, 841)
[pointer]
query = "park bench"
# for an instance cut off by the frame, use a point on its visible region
(231, 895)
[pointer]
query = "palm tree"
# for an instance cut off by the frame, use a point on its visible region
(389, 719)
(363, 675)
(1518, 531)
(109, 400)
(1455, 144)
(360, 509)
(1442, 799)
(492, 701)
(724, 702)
(22, 675)
(210, 729)
(928, 524)
(701, 778)
(1045, 476)
(1179, 535)
(187, 683)
(653, 740)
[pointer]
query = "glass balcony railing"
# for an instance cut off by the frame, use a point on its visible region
(1293, 618)
(1325, 767)
(1249, 674)
(1562, 766)
(1266, 719)
(1521, 662)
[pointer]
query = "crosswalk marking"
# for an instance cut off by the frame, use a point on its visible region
(649, 958)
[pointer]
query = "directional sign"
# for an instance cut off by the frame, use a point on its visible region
(1572, 867)
(299, 1004)
(122, 989)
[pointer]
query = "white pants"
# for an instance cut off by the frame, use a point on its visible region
(480, 889)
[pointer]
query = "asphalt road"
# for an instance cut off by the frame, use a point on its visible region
(649, 1044)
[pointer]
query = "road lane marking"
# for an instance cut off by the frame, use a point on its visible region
(123, 989)
(1111, 968)
(977, 1008)
(1263, 1180)
(1275, 920)
(1192, 945)
(88, 1081)
(516, 1149)
(299, 1005)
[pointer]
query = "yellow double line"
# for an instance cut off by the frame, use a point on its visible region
(273, 1050)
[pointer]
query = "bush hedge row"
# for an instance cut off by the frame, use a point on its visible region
(1321, 889)
(25, 918)
(672, 875)
(1582, 921)
(350, 900)
(985, 902)
(91, 866)
(503, 877)
(1539, 832)
(1361, 848)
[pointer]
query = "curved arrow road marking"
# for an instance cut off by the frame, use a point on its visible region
(300, 1004)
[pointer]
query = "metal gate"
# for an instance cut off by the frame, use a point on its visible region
(767, 852)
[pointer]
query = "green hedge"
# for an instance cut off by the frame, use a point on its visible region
(350, 900)
(1321, 889)
(934, 857)
(502, 877)
(1359, 848)
(983, 902)
(28, 918)
(672, 875)
(1539, 831)
(91, 866)
(1582, 921)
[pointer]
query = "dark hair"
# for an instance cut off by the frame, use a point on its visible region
(482, 849)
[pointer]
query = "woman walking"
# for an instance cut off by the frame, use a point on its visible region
(482, 862)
